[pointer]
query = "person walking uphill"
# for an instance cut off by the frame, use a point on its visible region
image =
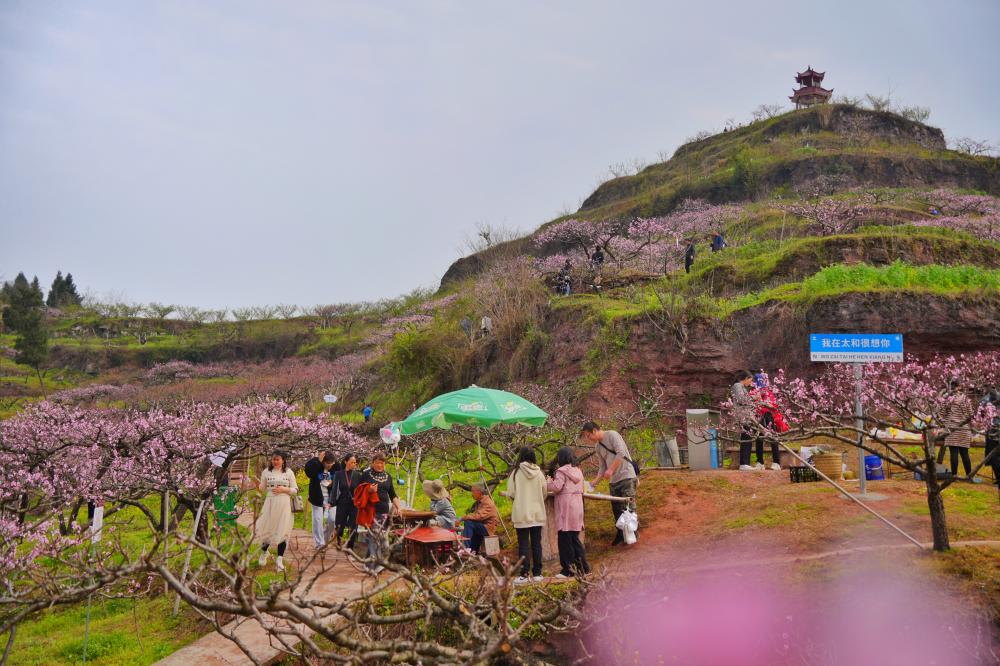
(614, 464)
(320, 471)
(567, 486)
(526, 488)
(274, 525)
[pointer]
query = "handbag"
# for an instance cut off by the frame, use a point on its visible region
(298, 506)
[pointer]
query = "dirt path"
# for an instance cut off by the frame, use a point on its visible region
(214, 649)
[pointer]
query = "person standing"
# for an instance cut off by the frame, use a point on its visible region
(597, 259)
(440, 504)
(526, 488)
(769, 417)
(567, 486)
(274, 524)
(367, 413)
(345, 481)
(387, 501)
(992, 397)
(689, 257)
(485, 326)
(482, 519)
(956, 420)
(614, 464)
(745, 411)
(320, 471)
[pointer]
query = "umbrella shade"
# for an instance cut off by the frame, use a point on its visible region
(473, 406)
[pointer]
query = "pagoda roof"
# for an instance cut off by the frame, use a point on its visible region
(810, 90)
(810, 72)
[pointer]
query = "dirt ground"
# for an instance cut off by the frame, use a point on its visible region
(807, 541)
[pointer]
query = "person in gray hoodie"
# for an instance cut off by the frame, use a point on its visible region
(440, 504)
(526, 488)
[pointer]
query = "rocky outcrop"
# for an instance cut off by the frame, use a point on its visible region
(770, 336)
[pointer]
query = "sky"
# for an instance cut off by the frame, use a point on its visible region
(231, 153)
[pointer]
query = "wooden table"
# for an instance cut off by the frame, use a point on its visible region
(414, 516)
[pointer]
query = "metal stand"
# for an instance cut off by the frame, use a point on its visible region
(859, 413)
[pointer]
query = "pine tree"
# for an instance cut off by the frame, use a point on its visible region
(55, 293)
(69, 294)
(21, 298)
(32, 342)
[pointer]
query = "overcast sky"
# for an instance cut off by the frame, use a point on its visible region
(225, 154)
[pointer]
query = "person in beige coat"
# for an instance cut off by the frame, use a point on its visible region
(526, 487)
(274, 525)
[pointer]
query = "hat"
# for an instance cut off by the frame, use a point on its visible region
(435, 489)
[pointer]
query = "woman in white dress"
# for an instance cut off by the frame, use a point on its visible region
(274, 525)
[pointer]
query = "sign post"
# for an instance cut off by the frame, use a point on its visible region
(857, 349)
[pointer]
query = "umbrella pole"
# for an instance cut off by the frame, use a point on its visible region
(482, 478)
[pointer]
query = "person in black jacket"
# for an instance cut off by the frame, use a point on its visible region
(320, 470)
(345, 481)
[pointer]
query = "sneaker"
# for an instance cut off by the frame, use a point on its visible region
(538, 579)
(976, 479)
(746, 468)
(758, 467)
(522, 580)
(775, 467)
(279, 563)
(561, 576)
(262, 560)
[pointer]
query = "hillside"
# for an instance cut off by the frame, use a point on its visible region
(836, 218)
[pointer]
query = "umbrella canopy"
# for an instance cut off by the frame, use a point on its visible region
(472, 406)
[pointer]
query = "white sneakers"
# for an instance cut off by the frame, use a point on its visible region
(279, 563)
(521, 580)
(758, 467)
(561, 576)
(262, 560)
(538, 579)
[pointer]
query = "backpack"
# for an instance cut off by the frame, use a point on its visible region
(635, 465)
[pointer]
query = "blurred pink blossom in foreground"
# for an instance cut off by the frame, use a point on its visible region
(861, 619)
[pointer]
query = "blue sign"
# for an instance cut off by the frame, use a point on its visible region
(856, 347)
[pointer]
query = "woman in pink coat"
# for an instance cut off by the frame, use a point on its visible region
(567, 486)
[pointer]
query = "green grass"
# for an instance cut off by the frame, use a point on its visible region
(123, 632)
(772, 516)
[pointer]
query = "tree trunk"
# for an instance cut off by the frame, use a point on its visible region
(41, 383)
(939, 527)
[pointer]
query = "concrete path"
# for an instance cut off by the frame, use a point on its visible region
(215, 649)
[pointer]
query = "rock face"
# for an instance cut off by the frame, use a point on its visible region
(768, 337)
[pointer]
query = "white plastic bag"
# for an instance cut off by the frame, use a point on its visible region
(628, 523)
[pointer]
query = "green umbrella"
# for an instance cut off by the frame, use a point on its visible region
(472, 406)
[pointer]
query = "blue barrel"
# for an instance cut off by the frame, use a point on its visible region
(873, 468)
(713, 446)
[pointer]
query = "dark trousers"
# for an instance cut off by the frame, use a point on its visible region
(624, 488)
(747, 442)
(281, 548)
(993, 443)
(572, 556)
(957, 451)
(474, 532)
(529, 549)
(347, 519)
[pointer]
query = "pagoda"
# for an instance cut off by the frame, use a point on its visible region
(810, 90)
